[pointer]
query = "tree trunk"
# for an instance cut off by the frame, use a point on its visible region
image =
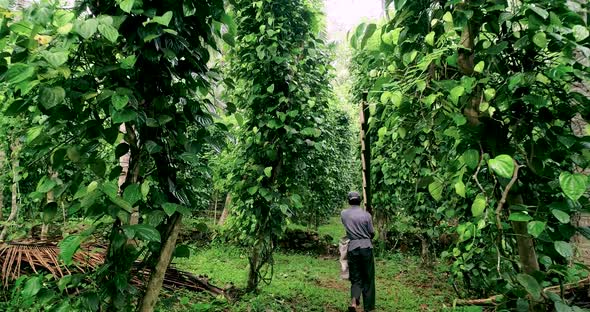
(129, 162)
(50, 199)
(215, 208)
(44, 231)
(134, 218)
(63, 211)
(582, 244)
(316, 222)
(578, 125)
(157, 277)
(124, 163)
(15, 147)
(381, 220)
(167, 180)
(467, 67)
(225, 212)
(526, 246)
(262, 250)
(2, 160)
(253, 269)
(424, 249)
(120, 257)
(365, 114)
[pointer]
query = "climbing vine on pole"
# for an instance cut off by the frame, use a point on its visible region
(116, 78)
(280, 68)
(474, 105)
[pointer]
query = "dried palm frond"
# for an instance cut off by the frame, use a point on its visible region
(20, 257)
(30, 256)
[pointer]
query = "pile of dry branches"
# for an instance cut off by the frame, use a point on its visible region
(26, 256)
(175, 278)
(31, 256)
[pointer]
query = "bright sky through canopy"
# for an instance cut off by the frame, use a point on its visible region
(344, 15)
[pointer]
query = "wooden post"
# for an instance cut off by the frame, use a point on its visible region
(366, 153)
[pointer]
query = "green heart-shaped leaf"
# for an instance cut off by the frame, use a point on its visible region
(119, 101)
(479, 205)
(489, 93)
(18, 73)
(471, 158)
(502, 165)
(456, 93)
(436, 188)
(519, 217)
(460, 188)
(252, 190)
(268, 171)
(564, 249)
(108, 32)
(540, 39)
(530, 284)
(535, 228)
(50, 97)
(87, 28)
(429, 39)
(573, 185)
(580, 32)
(127, 5)
(132, 194)
(170, 208)
(562, 216)
(164, 19)
(479, 67)
(56, 59)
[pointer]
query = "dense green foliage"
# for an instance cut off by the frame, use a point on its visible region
(113, 114)
(474, 106)
(329, 172)
(280, 67)
(118, 78)
(129, 115)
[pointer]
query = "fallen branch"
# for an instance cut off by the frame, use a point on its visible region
(175, 278)
(493, 300)
(568, 287)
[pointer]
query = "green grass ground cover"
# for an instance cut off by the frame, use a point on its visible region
(333, 228)
(310, 283)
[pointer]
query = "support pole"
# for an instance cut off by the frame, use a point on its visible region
(366, 153)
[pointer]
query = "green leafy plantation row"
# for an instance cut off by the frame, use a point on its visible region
(122, 120)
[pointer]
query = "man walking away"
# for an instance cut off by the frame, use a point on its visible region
(359, 229)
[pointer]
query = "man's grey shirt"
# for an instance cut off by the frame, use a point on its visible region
(359, 227)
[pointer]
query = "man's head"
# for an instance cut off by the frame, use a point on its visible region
(354, 198)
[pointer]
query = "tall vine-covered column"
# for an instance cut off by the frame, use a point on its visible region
(280, 70)
(476, 113)
(130, 70)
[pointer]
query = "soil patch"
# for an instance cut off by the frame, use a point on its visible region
(334, 284)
